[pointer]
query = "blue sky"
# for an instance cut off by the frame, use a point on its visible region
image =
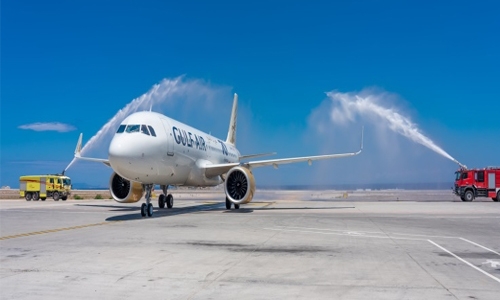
(78, 62)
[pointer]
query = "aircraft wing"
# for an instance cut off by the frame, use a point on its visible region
(256, 155)
(219, 169)
(78, 150)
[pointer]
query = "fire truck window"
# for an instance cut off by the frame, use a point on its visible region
(464, 175)
(121, 128)
(153, 133)
(51, 180)
(480, 176)
(144, 129)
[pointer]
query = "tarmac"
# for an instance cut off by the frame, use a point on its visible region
(283, 245)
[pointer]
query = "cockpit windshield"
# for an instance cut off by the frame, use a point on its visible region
(145, 129)
(132, 128)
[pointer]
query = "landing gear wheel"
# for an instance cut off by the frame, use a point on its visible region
(170, 201)
(28, 196)
(55, 196)
(36, 196)
(236, 206)
(228, 203)
(468, 196)
(143, 209)
(497, 199)
(150, 210)
(161, 201)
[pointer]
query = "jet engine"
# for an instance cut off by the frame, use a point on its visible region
(239, 185)
(123, 190)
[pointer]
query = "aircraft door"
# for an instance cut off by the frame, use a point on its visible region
(170, 138)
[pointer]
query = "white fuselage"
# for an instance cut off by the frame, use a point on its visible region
(175, 156)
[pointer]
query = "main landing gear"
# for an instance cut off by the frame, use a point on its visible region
(229, 203)
(147, 208)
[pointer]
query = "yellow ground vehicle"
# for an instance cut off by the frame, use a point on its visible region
(42, 186)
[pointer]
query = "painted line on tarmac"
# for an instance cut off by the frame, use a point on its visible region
(374, 232)
(465, 262)
(481, 246)
(8, 237)
(346, 233)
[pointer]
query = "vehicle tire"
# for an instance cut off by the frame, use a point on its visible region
(150, 210)
(161, 201)
(468, 196)
(236, 206)
(462, 197)
(36, 196)
(228, 203)
(64, 198)
(28, 196)
(143, 209)
(497, 199)
(56, 195)
(170, 201)
(43, 198)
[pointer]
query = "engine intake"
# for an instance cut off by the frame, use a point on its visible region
(123, 190)
(239, 185)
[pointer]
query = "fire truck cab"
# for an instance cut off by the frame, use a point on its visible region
(472, 183)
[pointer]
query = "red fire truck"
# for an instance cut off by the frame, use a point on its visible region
(472, 183)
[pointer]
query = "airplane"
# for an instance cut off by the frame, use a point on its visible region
(151, 149)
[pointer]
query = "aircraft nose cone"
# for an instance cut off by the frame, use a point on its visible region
(118, 153)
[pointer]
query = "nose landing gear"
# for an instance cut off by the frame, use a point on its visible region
(147, 208)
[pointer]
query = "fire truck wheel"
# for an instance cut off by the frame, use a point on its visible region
(55, 196)
(497, 199)
(35, 196)
(28, 196)
(469, 196)
(64, 198)
(43, 198)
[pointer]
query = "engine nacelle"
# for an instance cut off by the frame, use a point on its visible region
(123, 190)
(239, 185)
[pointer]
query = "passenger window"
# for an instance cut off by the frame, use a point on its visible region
(132, 128)
(121, 128)
(480, 176)
(153, 133)
(144, 129)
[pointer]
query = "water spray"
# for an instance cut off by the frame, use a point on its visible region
(348, 105)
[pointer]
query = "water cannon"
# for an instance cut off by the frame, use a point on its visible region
(462, 166)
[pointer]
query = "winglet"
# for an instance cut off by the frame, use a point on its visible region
(78, 148)
(231, 134)
(361, 146)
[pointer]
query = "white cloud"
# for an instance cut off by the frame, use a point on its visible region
(49, 126)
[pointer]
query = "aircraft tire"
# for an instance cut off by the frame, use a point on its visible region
(143, 209)
(150, 210)
(161, 201)
(228, 203)
(170, 201)
(236, 206)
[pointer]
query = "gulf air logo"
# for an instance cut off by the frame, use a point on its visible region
(188, 139)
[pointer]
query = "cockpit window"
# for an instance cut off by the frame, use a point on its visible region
(153, 133)
(132, 128)
(144, 129)
(121, 129)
